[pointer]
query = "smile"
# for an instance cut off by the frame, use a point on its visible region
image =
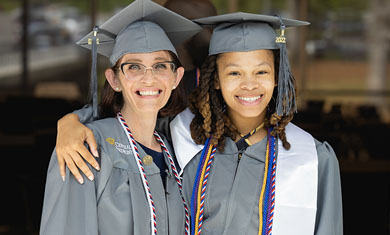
(250, 99)
(148, 93)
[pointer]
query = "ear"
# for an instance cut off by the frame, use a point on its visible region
(112, 80)
(179, 75)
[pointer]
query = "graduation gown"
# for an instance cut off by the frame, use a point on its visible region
(308, 189)
(115, 202)
(233, 190)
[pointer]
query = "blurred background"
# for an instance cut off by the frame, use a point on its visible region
(341, 63)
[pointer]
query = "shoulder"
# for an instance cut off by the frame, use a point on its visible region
(327, 160)
(103, 123)
(293, 131)
(303, 139)
(103, 126)
(325, 151)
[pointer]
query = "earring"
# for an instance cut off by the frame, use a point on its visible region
(174, 87)
(117, 88)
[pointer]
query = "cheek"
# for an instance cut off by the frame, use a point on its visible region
(227, 85)
(270, 85)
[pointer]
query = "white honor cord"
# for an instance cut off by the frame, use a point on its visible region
(142, 172)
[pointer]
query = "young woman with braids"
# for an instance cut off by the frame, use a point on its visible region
(253, 172)
(245, 168)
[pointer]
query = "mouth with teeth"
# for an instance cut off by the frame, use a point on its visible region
(150, 93)
(251, 100)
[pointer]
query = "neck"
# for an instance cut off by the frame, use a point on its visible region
(244, 125)
(142, 127)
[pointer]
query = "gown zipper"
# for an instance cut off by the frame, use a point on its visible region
(231, 196)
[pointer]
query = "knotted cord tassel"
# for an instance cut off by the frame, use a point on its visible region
(286, 92)
(94, 83)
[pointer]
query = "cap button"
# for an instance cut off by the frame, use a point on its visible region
(147, 160)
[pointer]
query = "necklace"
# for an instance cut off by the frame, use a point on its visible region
(243, 143)
(153, 216)
(267, 195)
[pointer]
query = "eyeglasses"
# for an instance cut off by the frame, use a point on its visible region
(163, 69)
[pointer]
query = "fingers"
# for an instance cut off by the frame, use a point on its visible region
(90, 139)
(89, 158)
(61, 164)
(72, 167)
(79, 162)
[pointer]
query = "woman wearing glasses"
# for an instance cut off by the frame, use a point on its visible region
(137, 190)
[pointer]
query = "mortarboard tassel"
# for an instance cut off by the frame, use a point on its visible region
(94, 83)
(286, 90)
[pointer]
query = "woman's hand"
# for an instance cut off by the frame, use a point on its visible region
(70, 148)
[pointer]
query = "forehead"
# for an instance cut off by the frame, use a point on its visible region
(244, 58)
(150, 56)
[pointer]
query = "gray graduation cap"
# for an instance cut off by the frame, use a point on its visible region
(141, 27)
(247, 32)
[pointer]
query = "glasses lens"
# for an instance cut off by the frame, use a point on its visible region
(163, 69)
(133, 70)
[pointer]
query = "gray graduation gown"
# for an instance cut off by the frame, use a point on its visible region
(115, 202)
(233, 190)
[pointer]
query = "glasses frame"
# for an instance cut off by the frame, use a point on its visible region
(150, 67)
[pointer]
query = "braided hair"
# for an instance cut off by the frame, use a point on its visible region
(208, 106)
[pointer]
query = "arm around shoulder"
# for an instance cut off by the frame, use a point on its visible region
(329, 218)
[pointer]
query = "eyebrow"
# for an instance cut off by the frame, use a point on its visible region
(236, 65)
(133, 60)
(140, 61)
(161, 58)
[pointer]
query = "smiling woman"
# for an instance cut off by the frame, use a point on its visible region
(129, 195)
(247, 169)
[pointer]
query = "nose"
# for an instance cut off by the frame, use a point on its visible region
(148, 78)
(249, 83)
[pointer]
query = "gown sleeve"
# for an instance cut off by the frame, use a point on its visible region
(329, 218)
(85, 114)
(69, 207)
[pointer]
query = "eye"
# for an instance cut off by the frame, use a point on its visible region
(262, 72)
(134, 67)
(160, 66)
(234, 73)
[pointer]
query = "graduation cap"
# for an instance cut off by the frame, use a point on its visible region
(247, 32)
(141, 27)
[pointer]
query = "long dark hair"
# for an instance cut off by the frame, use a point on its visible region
(208, 105)
(112, 102)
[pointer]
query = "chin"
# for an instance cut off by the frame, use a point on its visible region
(251, 113)
(149, 109)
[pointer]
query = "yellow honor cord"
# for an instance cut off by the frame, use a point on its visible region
(251, 133)
(262, 191)
(200, 190)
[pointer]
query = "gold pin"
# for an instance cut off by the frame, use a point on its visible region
(147, 160)
(110, 140)
(90, 39)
